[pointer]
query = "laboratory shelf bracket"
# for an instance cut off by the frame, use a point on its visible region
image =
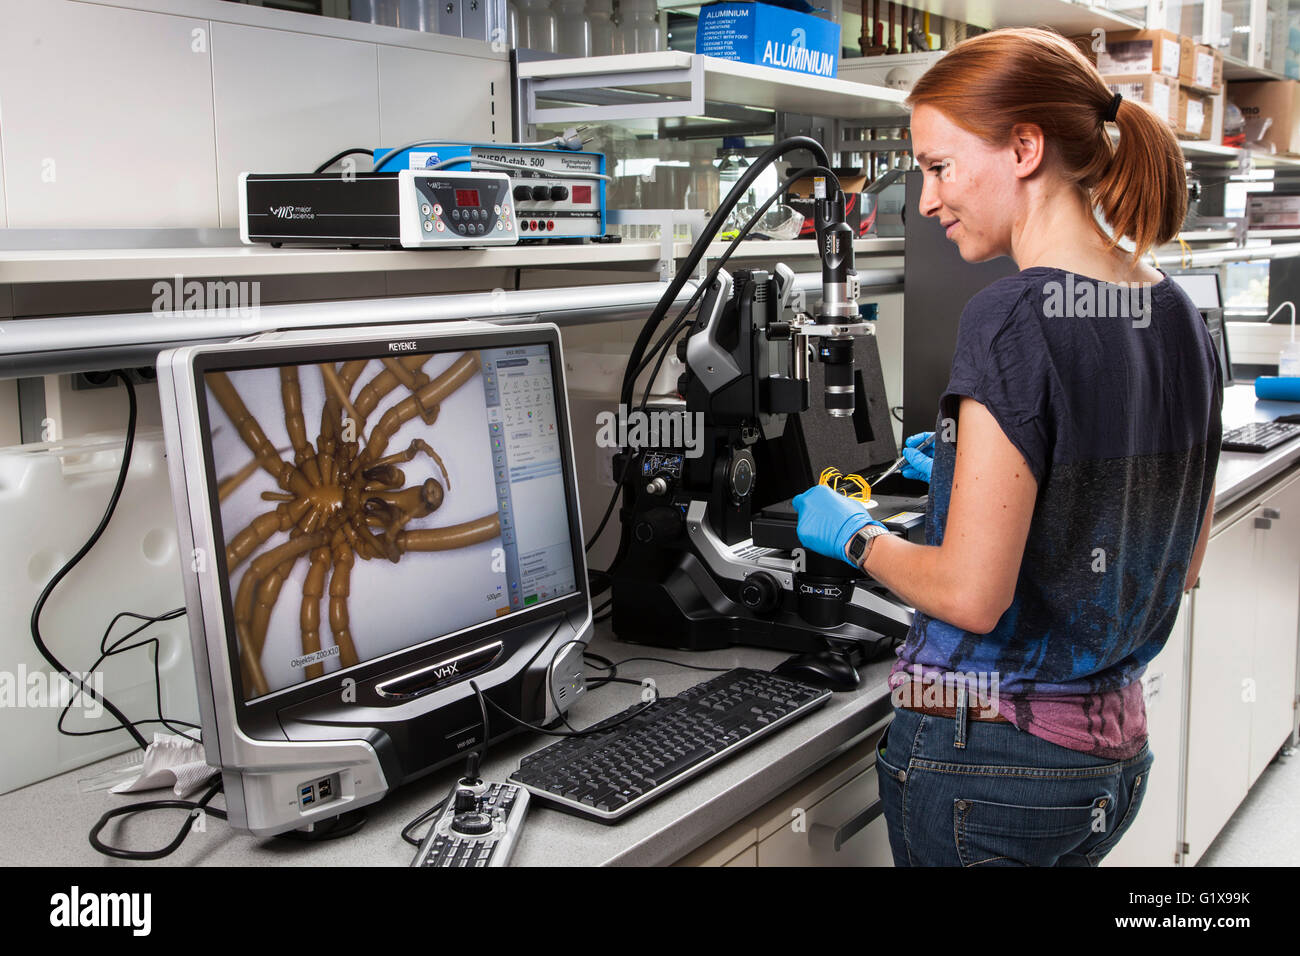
(667, 221)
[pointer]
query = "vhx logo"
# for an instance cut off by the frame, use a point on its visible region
(402, 346)
(447, 670)
(74, 908)
(292, 212)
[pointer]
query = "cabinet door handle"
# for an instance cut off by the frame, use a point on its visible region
(824, 837)
(1270, 513)
(1264, 523)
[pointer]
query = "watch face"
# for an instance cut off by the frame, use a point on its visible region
(857, 545)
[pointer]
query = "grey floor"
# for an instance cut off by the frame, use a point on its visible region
(1265, 830)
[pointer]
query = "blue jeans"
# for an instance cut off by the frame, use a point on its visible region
(1007, 798)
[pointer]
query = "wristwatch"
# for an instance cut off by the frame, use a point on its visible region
(859, 545)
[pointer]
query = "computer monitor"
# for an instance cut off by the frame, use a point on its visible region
(1202, 287)
(373, 518)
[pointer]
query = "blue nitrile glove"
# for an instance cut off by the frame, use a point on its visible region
(827, 520)
(919, 460)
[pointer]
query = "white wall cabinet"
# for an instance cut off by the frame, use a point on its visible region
(1243, 659)
(800, 827)
(1277, 625)
(1152, 839)
(117, 117)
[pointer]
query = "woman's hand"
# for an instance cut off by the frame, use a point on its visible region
(827, 520)
(919, 460)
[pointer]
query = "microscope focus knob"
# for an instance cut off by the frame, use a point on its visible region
(658, 524)
(742, 475)
(759, 591)
(657, 486)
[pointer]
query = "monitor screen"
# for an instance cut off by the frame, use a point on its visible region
(375, 504)
(1202, 288)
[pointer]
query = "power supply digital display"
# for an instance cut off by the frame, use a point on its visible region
(466, 197)
(582, 194)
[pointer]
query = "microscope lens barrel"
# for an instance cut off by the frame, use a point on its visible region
(837, 359)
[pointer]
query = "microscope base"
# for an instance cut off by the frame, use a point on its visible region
(683, 607)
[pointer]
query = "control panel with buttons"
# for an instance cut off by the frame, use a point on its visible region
(556, 193)
(447, 208)
(478, 827)
(553, 208)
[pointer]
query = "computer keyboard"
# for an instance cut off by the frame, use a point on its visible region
(1259, 436)
(608, 775)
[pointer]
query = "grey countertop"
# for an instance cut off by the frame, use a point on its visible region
(1241, 471)
(47, 822)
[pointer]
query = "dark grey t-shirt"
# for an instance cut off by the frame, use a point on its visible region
(1114, 397)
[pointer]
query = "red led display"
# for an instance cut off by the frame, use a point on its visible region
(582, 194)
(466, 197)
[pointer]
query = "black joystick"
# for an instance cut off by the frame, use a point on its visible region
(472, 824)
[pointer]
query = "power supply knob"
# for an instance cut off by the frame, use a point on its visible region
(472, 824)
(523, 192)
(759, 591)
(559, 193)
(541, 193)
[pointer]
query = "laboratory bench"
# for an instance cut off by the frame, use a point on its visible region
(47, 823)
(807, 794)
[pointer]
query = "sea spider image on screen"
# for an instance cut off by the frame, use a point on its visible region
(386, 516)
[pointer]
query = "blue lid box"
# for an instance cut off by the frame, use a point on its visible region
(769, 36)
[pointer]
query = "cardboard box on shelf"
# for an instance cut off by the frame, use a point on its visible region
(1192, 121)
(1273, 212)
(769, 36)
(1135, 52)
(1203, 70)
(1156, 91)
(1271, 109)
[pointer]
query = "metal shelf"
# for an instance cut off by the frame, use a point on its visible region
(1061, 15)
(1211, 154)
(671, 85)
(108, 265)
(72, 343)
(1234, 69)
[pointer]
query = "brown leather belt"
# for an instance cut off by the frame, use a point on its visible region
(913, 692)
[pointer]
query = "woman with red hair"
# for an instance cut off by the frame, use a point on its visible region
(1072, 478)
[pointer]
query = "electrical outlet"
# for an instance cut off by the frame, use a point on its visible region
(84, 381)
